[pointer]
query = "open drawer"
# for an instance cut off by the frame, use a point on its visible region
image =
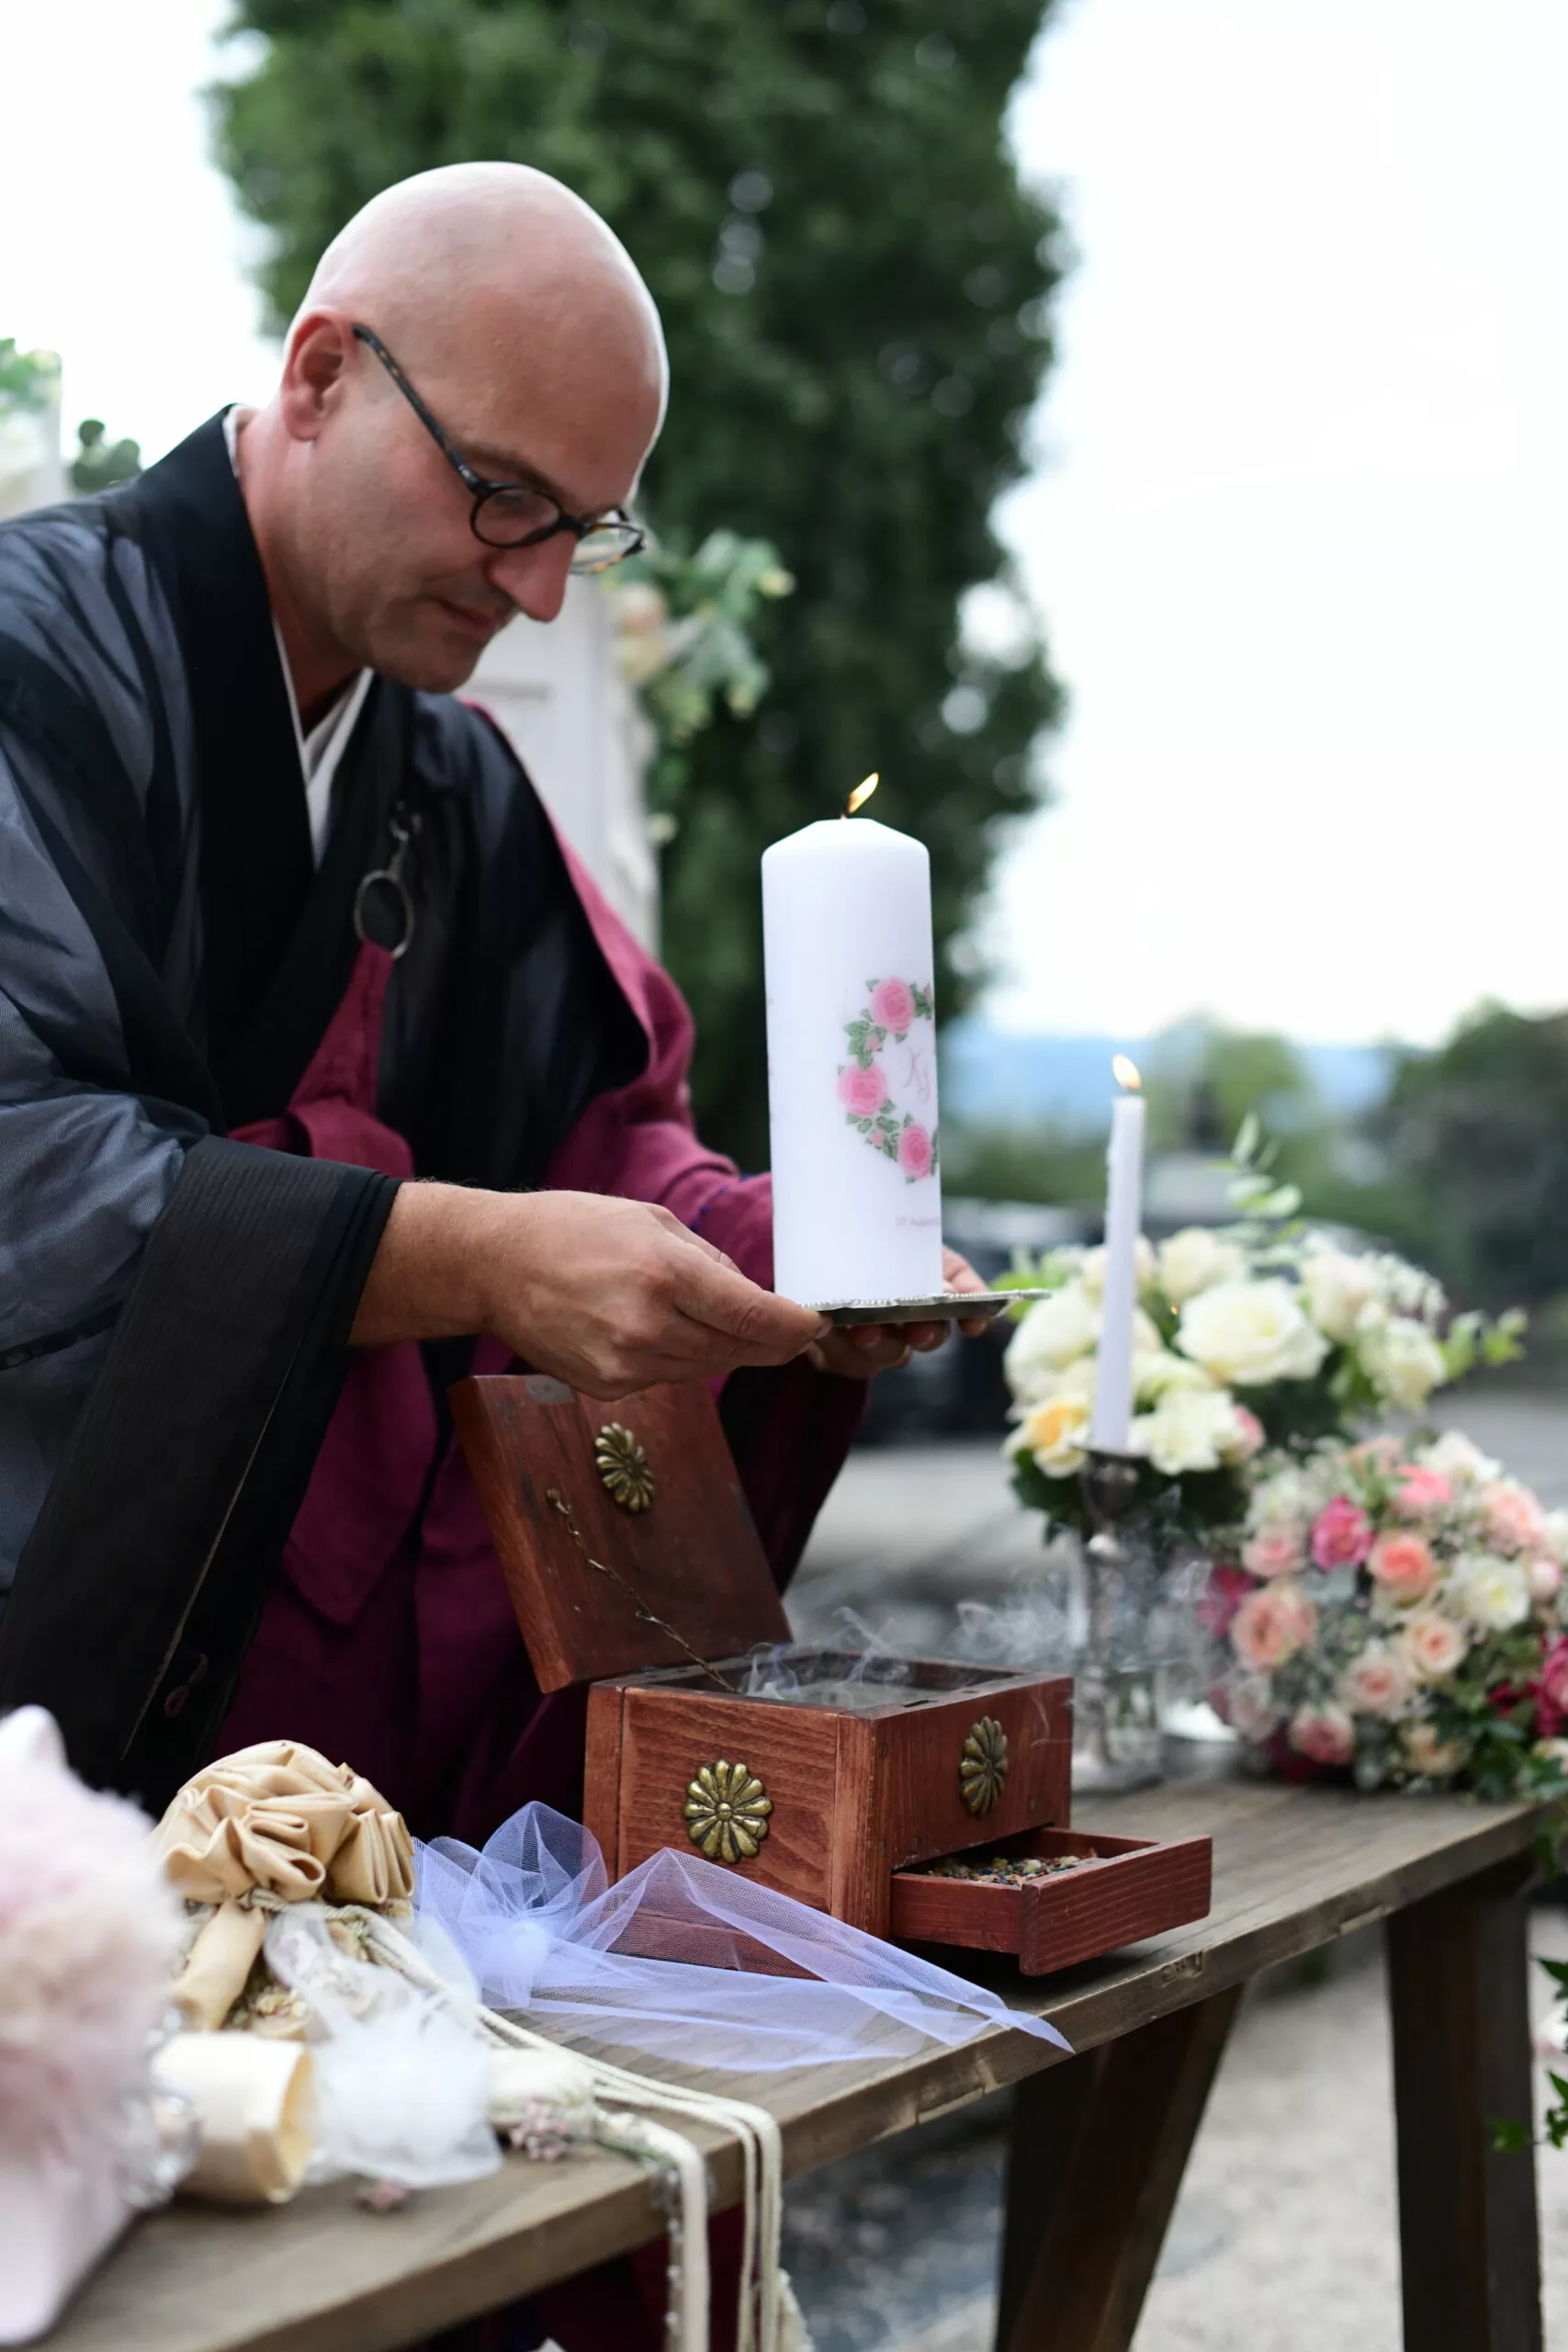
(1119, 1891)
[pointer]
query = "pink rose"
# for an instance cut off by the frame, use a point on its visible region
(1546, 1579)
(1419, 1492)
(1552, 1690)
(862, 1091)
(893, 1005)
(1376, 1683)
(1273, 1552)
(1341, 1535)
(1247, 1437)
(915, 1151)
(1272, 1624)
(1323, 1735)
(1513, 1518)
(1434, 1646)
(1404, 1566)
(1377, 1453)
(1222, 1597)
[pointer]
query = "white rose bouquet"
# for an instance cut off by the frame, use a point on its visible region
(1396, 1611)
(1266, 1333)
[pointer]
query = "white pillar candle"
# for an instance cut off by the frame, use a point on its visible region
(852, 1064)
(1112, 1420)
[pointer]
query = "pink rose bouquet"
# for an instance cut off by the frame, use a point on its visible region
(1394, 1610)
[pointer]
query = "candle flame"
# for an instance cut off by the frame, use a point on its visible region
(863, 793)
(1125, 1073)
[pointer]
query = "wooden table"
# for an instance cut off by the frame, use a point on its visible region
(1100, 2140)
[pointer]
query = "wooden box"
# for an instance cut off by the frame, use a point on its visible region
(634, 1566)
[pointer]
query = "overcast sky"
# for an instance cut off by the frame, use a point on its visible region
(1298, 523)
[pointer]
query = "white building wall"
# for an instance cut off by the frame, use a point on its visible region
(575, 724)
(32, 471)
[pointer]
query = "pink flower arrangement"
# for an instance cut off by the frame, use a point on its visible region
(1272, 1622)
(863, 1093)
(1403, 1566)
(1380, 1610)
(893, 1006)
(915, 1151)
(1341, 1535)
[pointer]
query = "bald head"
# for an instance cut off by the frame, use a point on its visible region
(522, 322)
(479, 254)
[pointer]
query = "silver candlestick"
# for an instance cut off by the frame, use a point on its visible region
(1110, 1484)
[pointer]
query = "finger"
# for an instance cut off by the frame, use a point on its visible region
(958, 1273)
(924, 1337)
(723, 1300)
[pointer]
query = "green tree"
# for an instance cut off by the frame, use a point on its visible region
(1477, 1136)
(854, 285)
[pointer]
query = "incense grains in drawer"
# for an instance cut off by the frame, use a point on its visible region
(1122, 1890)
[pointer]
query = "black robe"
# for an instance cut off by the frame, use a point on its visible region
(175, 1306)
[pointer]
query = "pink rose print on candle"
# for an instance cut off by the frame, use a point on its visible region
(862, 1091)
(915, 1151)
(894, 1006)
(893, 1010)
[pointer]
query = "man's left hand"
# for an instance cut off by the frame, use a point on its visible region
(859, 1349)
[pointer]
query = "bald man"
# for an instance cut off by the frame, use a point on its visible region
(325, 1075)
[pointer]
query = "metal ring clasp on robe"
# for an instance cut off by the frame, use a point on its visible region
(389, 878)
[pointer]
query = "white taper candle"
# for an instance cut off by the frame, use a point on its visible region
(1112, 1420)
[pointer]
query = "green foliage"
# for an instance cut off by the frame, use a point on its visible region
(853, 287)
(27, 378)
(1478, 1132)
(100, 463)
(1046, 1164)
(684, 625)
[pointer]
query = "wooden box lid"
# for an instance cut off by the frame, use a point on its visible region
(689, 1559)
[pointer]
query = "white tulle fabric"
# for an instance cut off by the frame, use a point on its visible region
(685, 1961)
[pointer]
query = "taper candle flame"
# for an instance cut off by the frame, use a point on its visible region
(1125, 1073)
(863, 793)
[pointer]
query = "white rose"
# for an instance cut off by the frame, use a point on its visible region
(1403, 1361)
(1494, 1594)
(1091, 1269)
(1196, 1260)
(1055, 1330)
(1339, 1288)
(1556, 1539)
(1246, 1334)
(1156, 1373)
(1056, 1435)
(1189, 1429)
(1456, 1457)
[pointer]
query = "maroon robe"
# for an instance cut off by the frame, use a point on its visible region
(389, 1638)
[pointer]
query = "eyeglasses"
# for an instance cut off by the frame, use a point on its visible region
(513, 514)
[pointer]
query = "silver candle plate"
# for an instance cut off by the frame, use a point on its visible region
(946, 1307)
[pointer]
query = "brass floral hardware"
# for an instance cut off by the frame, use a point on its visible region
(727, 1811)
(624, 1468)
(983, 1768)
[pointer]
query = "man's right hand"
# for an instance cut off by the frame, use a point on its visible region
(609, 1295)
